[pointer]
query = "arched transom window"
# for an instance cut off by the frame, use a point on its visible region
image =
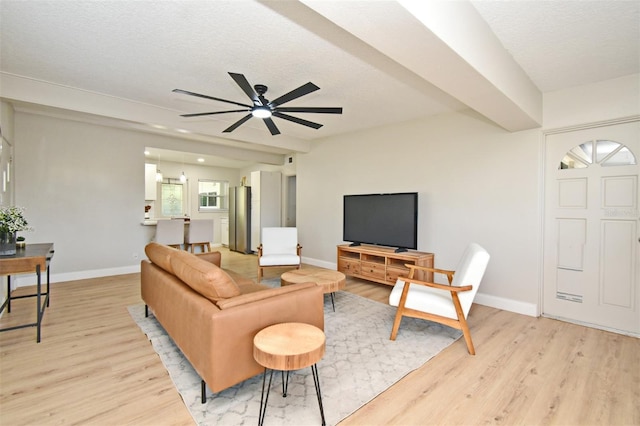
(603, 152)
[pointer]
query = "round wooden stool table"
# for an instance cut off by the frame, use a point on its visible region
(286, 347)
(331, 281)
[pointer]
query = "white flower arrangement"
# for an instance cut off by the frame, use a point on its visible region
(12, 220)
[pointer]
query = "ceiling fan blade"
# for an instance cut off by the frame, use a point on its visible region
(198, 114)
(272, 126)
(246, 87)
(185, 92)
(305, 89)
(318, 110)
(297, 120)
(237, 124)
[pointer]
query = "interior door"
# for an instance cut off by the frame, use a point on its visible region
(591, 237)
(290, 202)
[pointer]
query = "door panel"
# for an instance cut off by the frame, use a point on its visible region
(571, 238)
(616, 281)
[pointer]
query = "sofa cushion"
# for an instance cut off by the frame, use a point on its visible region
(261, 295)
(160, 255)
(246, 285)
(204, 277)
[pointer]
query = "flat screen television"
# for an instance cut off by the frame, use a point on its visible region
(382, 219)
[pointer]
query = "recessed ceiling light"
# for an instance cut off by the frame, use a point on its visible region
(200, 160)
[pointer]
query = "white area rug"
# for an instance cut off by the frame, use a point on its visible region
(360, 362)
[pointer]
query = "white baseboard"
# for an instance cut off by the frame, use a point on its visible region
(319, 263)
(516, 306)
(524, 308)
(31, 279)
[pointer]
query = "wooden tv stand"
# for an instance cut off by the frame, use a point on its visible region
(381, 264)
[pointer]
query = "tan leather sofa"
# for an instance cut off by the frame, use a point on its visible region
(212, 315)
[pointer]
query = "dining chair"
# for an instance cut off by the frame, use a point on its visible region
(200, 234)
(170, 232)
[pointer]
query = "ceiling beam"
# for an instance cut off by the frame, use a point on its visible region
(21, 89)
(471, 65)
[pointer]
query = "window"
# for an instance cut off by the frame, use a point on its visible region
(603, 152)
(212, 195)
(172, 198)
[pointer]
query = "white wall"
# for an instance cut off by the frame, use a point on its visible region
(83, 189)
(476, 182)
(602, 101)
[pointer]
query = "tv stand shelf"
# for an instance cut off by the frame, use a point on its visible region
(381, 264)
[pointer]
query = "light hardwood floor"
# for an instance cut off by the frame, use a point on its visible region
(94, 366)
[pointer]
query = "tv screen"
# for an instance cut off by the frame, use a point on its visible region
(382, 219)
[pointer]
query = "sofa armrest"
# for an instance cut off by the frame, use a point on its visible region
(212, 257)
(260, 295)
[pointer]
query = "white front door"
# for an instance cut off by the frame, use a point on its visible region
(591, 232)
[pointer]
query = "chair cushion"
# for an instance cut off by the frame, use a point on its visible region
(204, 277)
(425, 299)
(279, 240)
(160, 255)
(279, 259)
(470, 271)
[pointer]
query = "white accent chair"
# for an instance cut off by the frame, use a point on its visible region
(279, 247)
(200, 234)
(170, 232)
(442, 303)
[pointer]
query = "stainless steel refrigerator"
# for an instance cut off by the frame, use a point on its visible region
(240, 219)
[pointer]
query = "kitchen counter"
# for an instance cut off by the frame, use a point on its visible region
(154, 222)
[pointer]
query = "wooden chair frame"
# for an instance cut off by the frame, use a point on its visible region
(460, 323)
(260, 268)
(203, 246)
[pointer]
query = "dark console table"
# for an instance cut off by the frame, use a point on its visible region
(32, 258)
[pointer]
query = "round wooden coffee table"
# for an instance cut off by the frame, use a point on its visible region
(286, 347)
(331, 281)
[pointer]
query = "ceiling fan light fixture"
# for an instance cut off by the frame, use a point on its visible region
(261, 112)
(262, 108)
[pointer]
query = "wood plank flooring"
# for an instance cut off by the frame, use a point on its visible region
(95, 367)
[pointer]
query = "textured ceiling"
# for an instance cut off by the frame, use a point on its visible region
(137, 52)
(564, 43)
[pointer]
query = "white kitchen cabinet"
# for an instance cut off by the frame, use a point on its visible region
(150, 184)
(266, 203)
(224, 231)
